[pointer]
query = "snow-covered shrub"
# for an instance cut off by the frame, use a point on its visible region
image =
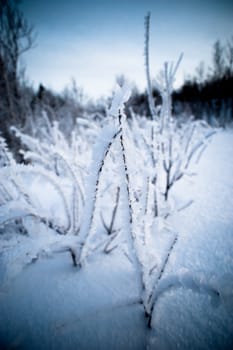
(175, 143)
(173, 147)
(142, 162)
(61, 165)
(24, 199)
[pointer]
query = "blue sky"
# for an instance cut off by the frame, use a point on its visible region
(94, 41)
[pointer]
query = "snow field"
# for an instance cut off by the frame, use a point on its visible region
(50, 304)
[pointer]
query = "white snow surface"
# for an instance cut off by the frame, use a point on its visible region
(47, 303)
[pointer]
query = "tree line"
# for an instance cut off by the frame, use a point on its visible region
(209, 93)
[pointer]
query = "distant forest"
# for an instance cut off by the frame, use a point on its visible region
(210, 93)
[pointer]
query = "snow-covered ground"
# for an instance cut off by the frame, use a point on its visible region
(46, 303)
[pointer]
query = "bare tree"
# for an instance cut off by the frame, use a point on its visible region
(218, 60)
(229, 56)
(201, 73)
(16, 37)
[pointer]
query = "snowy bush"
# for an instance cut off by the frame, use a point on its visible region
(60, 165)
(143, 192)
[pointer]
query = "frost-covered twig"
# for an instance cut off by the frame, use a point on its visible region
(177, 210)
(18, 214)
(108, 248)
(126, 172)
(150, 304)
(78, 192)
(129, 227)
(109, 228)
(14, 172)
(100, 152)
(182, 164)
(147, 67)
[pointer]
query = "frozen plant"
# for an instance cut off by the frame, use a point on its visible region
(65, 162)
(102, 147)
(19, 202)
(60, 164)
(110, 229)
(134, 207)
(174, 147)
